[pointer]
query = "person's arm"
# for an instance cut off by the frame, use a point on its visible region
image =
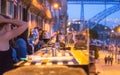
(2, 19)
(21, 27)
(8, 28)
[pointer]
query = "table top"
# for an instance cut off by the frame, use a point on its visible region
(63, 57)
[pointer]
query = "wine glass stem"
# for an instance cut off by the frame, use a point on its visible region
(32, 49)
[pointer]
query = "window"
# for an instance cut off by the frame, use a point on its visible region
(24, 14)
(3, 6)
(15, 11)
(0, 6)
(11, 8)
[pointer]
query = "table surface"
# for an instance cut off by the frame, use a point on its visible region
(45, 57)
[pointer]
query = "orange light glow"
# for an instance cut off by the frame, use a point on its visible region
(118, 30)
(36, 4)
(48, 13)
(56, 5)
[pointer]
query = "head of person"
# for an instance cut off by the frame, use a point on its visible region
(36, 28)
(4, 25)
(24, 35)
(72, 29)
(40, 29)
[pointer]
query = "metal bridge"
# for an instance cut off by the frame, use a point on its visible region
(92, 22)
(103, 14)
(97, 0)
(93, 1)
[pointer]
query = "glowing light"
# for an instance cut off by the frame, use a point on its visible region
(118, 30)
(105, 28)
(56, 5)
(69, 23)
(112, 31)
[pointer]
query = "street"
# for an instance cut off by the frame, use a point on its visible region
(106, 69)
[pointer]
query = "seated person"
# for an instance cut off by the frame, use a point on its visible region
(80, 44)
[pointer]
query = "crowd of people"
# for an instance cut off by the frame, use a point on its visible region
(108, 60)
(113, 51)
(14, 44)
(16, 41)
(9, 29)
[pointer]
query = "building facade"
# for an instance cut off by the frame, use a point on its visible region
(38, 13)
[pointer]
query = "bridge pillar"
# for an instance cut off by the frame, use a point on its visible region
(82, 15)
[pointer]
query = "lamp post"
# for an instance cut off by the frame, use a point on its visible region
(56, 7)
(105, 33)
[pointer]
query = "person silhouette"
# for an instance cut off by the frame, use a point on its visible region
(106, 60)
(6, 34)
(111, 60)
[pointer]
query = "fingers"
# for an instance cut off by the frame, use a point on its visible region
(2, 19)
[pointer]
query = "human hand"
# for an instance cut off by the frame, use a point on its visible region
(2, 19)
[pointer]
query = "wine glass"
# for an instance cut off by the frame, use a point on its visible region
(31, 43)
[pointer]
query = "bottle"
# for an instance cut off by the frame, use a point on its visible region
(53, 52)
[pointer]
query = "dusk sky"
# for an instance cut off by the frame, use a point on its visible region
(91, 10)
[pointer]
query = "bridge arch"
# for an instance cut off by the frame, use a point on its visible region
(92, 22)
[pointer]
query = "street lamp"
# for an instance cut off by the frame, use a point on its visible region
(112, 31)
(56, 6)
(69, 23)
(105, 33)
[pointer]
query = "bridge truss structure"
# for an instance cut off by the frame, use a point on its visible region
(92, 22)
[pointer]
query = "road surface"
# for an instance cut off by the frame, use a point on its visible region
(107, 69)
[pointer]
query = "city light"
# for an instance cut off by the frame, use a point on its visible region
(69, 23)
(36, 4)
(105, 28)
(112, 31)
(56, 5)
(118, 29)
(48, 14)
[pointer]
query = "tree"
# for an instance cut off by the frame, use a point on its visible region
(93, 34)
(97, 53)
